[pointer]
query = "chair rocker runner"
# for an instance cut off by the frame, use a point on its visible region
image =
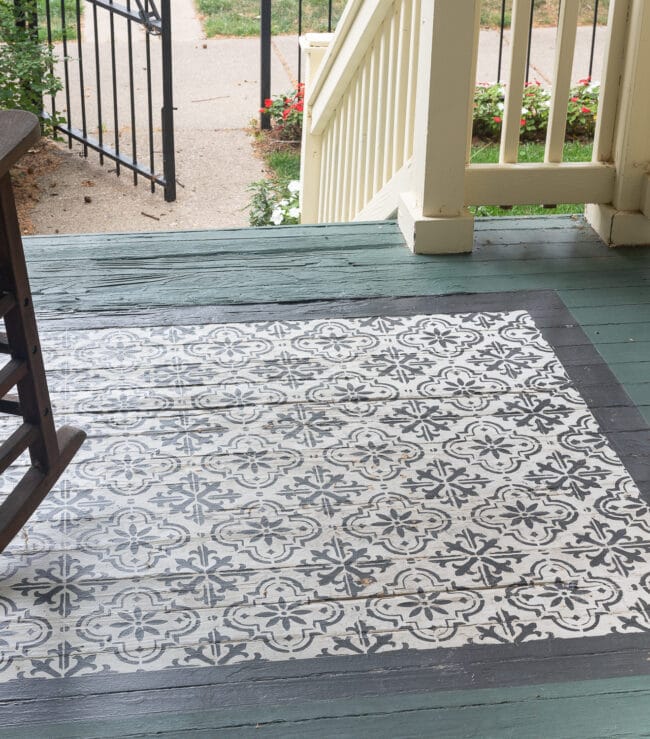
(50, 451)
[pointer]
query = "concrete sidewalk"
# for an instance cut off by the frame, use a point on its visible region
(216, 96)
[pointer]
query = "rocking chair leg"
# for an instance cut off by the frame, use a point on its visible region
(50, 451)
(35, 485)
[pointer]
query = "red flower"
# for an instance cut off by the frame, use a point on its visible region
(262, 110)
(585, 81)
(586, 111)
(268, 103)
(285, 113)
(497, 119)
(299, 106)
(575, 100)
(522, 122)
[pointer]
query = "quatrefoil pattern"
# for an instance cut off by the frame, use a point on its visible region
(298, 489)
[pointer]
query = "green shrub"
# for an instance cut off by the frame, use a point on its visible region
(25, 63)
(489, 109)
(286, 113)
(274, 203)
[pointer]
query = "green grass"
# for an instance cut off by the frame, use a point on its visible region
(489, 154)
(70, 7)
(285, 165)
(241, 17)
(546, 12)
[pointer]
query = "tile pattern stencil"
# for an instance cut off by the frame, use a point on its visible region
(328, 487)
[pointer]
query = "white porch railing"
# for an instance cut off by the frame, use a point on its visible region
(388, 123)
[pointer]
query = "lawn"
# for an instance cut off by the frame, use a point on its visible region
(241, 17)
(489, 154)
(70, 7)
(546, 12)
(285, 166)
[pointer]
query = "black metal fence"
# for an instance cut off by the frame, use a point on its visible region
(266, 18)
(109, 107)
(503, 25)
(266, 15)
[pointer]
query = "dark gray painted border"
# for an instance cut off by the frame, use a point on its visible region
(469, 667)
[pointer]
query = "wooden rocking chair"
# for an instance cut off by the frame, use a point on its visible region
(50, 451)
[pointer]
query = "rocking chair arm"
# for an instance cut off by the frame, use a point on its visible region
(18, 131)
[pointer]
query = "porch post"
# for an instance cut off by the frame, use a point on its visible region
(314, 46)
(433, 217)
(624, 137)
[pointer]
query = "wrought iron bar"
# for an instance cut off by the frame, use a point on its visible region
(530, 39)
(299, 35)
(593, 40)
(48, 27)
(169, 160)
(116, 113)
(265, 70)
(503, 28)
(148, 16)
(134, 138)
(329, 17)
(66, 70)
(98, 80)
(82, 88)
(152, 162)
(113, 155)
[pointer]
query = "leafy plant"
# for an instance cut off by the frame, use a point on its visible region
(274, 203)
(583, 109)
(489, 103)
(242, 17)
(286, 112)
(25, 64)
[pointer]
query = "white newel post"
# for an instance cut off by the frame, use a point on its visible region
(314, 46)
(432, 216)
(624, 137)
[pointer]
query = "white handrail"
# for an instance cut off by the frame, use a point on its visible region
(388, 122)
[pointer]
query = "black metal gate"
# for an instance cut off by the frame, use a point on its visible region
(111, 85)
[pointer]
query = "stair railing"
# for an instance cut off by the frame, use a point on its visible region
(388, 122)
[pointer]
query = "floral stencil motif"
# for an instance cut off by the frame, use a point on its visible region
(397, 525)
(422, 605)
(559, 594)
(283, 619)
(296, 489)
(139, 540)
(266, 533)
(374, 454)
(334, 341)
(523, 514)
(137, 626)
(493, 446)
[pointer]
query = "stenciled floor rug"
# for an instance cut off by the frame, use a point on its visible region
(313, 488)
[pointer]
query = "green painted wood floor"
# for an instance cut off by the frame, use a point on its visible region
(608, 291)
(151, 275)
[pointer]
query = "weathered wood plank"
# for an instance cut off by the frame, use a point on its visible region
(608, 292)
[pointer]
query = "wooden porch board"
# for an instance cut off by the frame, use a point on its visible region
(570, 710)
(607, 292)
(154, 274)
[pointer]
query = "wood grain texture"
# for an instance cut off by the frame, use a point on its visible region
(18, 131)
(117, 280)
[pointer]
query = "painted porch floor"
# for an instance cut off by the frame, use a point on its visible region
(499, 518)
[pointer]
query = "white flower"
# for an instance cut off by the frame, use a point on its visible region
(294, 213)
(500, 106)
(294, 186)
(277, 216)
(524, 111)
